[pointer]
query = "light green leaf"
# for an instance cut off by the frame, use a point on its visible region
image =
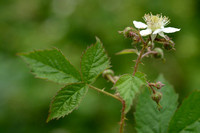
(148, 118)
(187, 117)
(128, 51)
(93, 62)
(52, 65)
(128, 86)
(66, 100)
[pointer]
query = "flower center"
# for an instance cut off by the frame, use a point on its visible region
(155, 22)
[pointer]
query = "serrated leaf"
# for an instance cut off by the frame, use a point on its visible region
(128, 51)
(128, 86)
(187, 117)
(93, 62)
(66, 100)
(52, 65)
(148, 118)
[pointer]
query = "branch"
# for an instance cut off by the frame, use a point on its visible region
(105, 92)
(119, 99)
(141, 53)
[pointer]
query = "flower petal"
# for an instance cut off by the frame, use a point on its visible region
(139, 25)
(170, 30)
(145, 32)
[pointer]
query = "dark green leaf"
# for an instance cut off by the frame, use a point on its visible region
(93, 62)
(128, 86)
(52, 65)
(148, 118)
(66, 100)
(187, 117)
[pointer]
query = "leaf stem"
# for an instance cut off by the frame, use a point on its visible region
(119, 99)
(105, 92)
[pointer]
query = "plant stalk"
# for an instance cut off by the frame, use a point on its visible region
(141, 54)
(105, 92)
(122, 117)
(138, 60)
(119, 99)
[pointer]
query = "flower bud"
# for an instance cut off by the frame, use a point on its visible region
(159, 53)
(156, 97)
(130, 32)
(159, 85)
(169, 45)
(108, 72)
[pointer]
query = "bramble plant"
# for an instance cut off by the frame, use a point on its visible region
(156, 106)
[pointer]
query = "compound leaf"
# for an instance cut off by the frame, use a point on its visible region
(52, 65)
(148, 118)
(66, 100)
(128, 86)
(187, 117)
(93, 62)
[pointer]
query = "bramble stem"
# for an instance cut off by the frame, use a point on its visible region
(119, 99)
(138, 60)
(141, 54)
(105, 92)
(122, 117)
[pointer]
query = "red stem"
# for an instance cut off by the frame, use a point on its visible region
(122, 116)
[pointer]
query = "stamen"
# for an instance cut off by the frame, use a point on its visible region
(156, 21)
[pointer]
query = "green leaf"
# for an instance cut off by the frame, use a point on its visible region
(94, 61)
(187, 117)
(52, 65)
(66, 100)
(128, 86)
(128, 51)
(148, 118)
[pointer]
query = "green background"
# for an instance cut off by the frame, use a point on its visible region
(71, 25)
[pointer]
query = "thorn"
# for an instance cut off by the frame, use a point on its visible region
(142, 63)
(117, 94)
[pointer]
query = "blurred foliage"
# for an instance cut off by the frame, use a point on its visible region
(71, 25)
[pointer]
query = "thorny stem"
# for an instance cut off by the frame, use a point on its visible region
(106, 93)
(140, 55)
(119, 99)
(138, 60)
(122, 117)
(112, 80)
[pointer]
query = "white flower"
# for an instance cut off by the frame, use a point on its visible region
(154, 25)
